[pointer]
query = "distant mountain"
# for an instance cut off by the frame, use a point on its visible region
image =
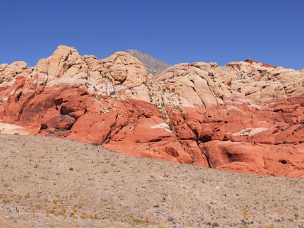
(153, 64)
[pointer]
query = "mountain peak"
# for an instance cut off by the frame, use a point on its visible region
(153, 65)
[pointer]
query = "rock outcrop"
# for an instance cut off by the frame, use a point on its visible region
(245, 116)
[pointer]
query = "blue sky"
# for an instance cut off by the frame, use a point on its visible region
(176, 31)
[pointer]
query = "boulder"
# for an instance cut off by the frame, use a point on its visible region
(263, 159)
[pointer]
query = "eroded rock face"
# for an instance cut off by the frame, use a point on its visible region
(8, 72)
(264, 159)
(106, 77)
(131, 126)
(246, 116)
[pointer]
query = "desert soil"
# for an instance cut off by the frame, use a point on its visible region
(49, 182)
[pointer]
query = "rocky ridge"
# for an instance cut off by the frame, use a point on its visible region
(245, 116)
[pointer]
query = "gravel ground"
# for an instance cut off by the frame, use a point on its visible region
(48, 182)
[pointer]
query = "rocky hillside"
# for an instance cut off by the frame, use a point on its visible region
(245, 116)
(66, 184)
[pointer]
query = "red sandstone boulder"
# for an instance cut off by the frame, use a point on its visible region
(285, 160)
(93, 127)
(63, 122)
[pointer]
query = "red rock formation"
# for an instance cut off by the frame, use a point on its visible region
(267, 140)
(133, 127)
(183, 115)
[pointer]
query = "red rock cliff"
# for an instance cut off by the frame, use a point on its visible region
(246, 116)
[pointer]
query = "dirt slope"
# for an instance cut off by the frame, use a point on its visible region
(48, 182)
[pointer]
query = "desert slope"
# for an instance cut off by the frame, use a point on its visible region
(49, 182)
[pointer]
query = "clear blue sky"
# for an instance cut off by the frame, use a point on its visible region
(173, 30)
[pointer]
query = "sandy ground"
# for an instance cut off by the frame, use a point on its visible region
(48, 182)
